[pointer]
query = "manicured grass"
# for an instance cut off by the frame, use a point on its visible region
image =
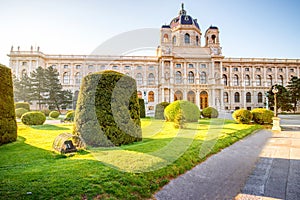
(134, 171)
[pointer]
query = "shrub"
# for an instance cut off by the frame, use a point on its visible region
(70, 116)
(107, 111)
(210, 112)
(242, 116)
(33, 118)
(8, 124)
(20, 112)
(24, 105)
(189, 110)
(179, 121)
(54, 114)
(159, 110)
(262, 115)
(70, 111)
(142, 108)
(46, 112)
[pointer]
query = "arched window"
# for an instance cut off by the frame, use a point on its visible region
(77, 78)
(191, 77)
(23, 73)
(151, 79)
(166, 38)
(187, 38)
(224, 79)
(197, 40)
(178, 77)
(139, 79)
(280, 80)
(236, 97)
(178, 95)
(174, 40)
(191, 96)
(203, 78)
(269, 80)
(258, 80)
(140, 94)
(247, 80)
(235, 80)
(151, 96)
(225, 96)
(248, 97)
(214, 39)
(259, 97)
(66, 78)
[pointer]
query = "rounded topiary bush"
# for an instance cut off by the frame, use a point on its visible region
(262, 115)
(108, 111)
(190, 112)
(24, 105)
(70, 116)
(142, 108)
(8, 124)
(54, 114)
(33, 118)
(242, 116)
(210, 112)
(20, 112)
(46, 112)
(159, 110)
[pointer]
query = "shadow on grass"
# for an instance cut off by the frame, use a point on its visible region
(49, 127)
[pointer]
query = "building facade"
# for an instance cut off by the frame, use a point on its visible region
(183, 69)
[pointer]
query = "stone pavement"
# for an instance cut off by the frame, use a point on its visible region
(277, 173)
(263, 166)
(221, 176)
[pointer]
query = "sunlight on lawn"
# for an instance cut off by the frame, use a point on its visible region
(162, 144)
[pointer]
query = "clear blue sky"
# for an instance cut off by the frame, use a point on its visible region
(256, 28)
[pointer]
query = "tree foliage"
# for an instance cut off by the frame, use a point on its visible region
(42, 86)
(283, 98)
(294, 90)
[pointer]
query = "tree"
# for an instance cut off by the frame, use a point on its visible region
(55, 96)
(294, 90)
(22, 88)
(283, 98)
(38, 85)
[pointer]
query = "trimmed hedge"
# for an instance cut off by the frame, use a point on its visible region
(189, 111)
(46, 112)
(24, 105)
(54, 114)
(8, 124)
(159, 110)
(33, 118)
(70, 116)
(20, 112)
(242, 116)
(142, 108)
(262, 116)
(210, 112)
(107, 111)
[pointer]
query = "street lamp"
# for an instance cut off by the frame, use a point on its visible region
(275, 91)
(276, 120)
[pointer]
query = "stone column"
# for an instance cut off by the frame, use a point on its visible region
(198, 98)
(162, 94)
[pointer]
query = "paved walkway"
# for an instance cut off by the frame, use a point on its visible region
(263, 166)
(221, 176)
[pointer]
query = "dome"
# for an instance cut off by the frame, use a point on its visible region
(183, 19)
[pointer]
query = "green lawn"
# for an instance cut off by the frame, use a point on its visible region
(134, 171)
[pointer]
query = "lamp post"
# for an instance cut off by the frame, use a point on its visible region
(276, 120)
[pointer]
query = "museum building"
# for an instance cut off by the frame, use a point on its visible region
(183, 68)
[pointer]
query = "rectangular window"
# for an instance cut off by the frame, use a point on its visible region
(224, 69)
(235, 69)
(291, 70)
(66, 66)
(258, 69)
(139, 67)
(178, 65)
(102, 67)
(247, 69)
(90, 66)
(280, 70)
(203, 66)
(151, 67)
(77, 66)
(191, 66)
(127, 67)
(24, 63)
